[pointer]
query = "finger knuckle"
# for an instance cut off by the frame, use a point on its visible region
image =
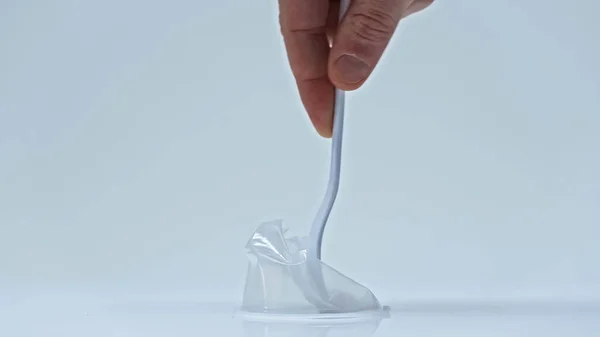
(422, 4)
(302, 28)
(373, 25)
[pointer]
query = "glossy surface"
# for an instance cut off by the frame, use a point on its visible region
(56, 316)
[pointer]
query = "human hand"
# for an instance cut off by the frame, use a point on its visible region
(323, 55)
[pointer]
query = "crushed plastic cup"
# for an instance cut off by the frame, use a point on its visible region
(282, 279)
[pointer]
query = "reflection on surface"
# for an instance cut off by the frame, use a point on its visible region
(60, 317)
(316, 328)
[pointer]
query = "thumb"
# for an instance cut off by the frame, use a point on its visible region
(362, 37)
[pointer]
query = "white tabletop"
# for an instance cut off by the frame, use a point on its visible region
(66, 316)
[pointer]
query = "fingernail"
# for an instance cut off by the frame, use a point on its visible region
(325, 133)
(352, 69)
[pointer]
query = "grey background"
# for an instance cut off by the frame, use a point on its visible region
(141, 142)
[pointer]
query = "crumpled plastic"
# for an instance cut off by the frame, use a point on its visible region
(282, 279)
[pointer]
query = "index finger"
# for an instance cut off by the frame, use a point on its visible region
(304, 28)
